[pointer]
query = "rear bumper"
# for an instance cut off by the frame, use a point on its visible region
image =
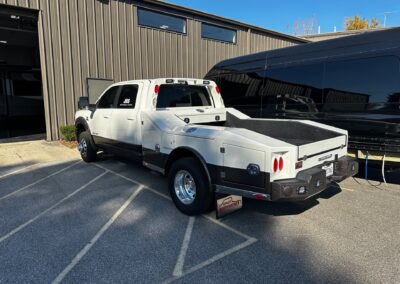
(312, 181)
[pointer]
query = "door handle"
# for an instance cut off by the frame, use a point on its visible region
(106, 116)
(131, 118)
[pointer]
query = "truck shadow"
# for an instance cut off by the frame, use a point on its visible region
(251, 205)
(288, 208)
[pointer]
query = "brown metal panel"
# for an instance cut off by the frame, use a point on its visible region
(131, 64)
(116, 62)
(66, 58)
(108, 47)
(123, 40)
(99, 38)
(75, 49)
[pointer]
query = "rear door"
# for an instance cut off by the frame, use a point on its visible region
(125, 125)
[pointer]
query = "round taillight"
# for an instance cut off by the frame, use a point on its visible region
(217, 90)
(275, 165)
(280, 164)
(156, 89)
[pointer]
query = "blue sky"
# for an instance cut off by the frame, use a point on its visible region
(280, 15)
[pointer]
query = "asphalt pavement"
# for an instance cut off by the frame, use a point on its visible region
(113, 221)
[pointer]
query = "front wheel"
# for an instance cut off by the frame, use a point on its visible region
(189, 187)
(86, 147)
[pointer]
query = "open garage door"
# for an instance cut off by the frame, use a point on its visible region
(21, 97)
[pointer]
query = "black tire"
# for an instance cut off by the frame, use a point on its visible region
(203, 199)
(90, 154)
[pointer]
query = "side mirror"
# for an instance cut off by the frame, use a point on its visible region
(83, 103)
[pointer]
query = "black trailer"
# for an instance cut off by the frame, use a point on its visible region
(351, 83)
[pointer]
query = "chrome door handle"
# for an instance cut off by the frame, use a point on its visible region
(131, 118)
(106, 116)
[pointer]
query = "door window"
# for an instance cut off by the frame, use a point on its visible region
(108, 99)
(127, 97)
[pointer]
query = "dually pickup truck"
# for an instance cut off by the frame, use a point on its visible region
(181, 128)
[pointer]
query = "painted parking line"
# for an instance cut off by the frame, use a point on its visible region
(213, 259)
(178, 270)
(19, 228)
(98, 235)
(17, 171)
(38, 181)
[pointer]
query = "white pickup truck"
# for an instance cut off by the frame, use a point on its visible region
(181, 128)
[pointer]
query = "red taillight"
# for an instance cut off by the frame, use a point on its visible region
(280, 164)
(156, 89)
(275, 165)
(217, 90)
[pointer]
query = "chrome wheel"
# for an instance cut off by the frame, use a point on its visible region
(82, 147)
(185, 187)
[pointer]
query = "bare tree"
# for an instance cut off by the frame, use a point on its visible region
(305, 26)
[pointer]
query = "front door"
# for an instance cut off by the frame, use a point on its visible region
(101, 117)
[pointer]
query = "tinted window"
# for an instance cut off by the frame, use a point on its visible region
(108, 99)
(242, 90)
(182, 96)
(26, 84)
(161, 21)
(127, 97)
(218, 33)
(362, 81)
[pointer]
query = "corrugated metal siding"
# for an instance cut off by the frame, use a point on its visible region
(91, 38)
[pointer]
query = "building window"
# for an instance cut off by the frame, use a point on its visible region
(161, 21)
(218, 33)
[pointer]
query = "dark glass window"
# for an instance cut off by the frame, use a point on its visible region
(127, 97)
(182, 96)
(108, 99)
(27, 84)
(242, 91)
(161, 21)
(362, 81)
(218, 33)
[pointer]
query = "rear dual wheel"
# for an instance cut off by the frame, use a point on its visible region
(189, 187)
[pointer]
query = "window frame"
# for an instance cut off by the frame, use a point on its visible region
(221, 27)
(118, 87)
(162, 13)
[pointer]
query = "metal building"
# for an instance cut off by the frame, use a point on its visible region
(54, 51)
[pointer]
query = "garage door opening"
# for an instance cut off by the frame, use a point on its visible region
(21, 96)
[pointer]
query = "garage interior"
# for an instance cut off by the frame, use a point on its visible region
(21, 96)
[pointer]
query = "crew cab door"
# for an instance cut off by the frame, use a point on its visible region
(101, 117)
(125, 125)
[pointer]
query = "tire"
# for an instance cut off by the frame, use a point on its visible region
(187, 171)
(86, 147)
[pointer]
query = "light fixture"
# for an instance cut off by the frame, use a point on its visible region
(3, 41)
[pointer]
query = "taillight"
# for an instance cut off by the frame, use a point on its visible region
(275, 165)
(217, 90)
(156, 89)
(280, 164)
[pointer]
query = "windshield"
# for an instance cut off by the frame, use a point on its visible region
(176, 95)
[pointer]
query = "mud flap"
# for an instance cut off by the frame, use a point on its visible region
(227, 204)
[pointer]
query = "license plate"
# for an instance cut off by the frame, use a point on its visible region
(228, 205)
(328, 169)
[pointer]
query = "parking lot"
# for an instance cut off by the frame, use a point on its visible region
(113, 221)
